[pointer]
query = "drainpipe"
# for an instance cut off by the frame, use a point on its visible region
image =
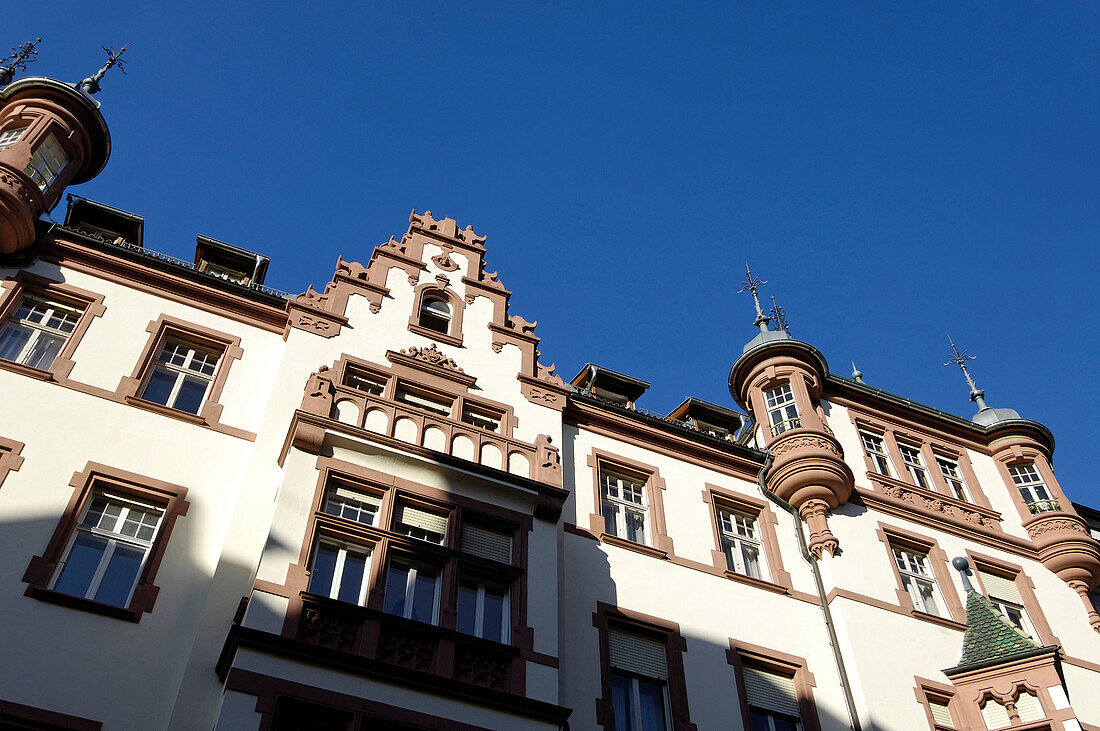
(812, 560)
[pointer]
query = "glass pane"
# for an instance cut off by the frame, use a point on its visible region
(324, 566)
(927, 597)
(751, 554)
(492, 615)
(351, 580)
(423, 609)
(651, 700)
(467, 608)
(396, 583)
(12, 340)
(635, 526)
(190, 396)
(44, 351)
(620, 701)
(730, 549)
(759, 721)
(121, 575)
(80, 564)
(160, 385)
(95, 511)
(785, 724)
(610, 512)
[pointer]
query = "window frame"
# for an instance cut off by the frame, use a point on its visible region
(414, 564)
(11, 135)
(980, 563)
(659, 544)
(781, 663)
(91, 305)
(10, 458)
(877, 459)
(46, 186)
(893, 537)
(180, 373)
(915, 468)
(483, 586)
(928, 692)
(715, 498)
(95, 479)
(782, 408)
(956, 482)
(441, 291)
(343, 547)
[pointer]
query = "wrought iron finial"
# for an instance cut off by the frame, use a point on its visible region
(963, 567)
(18, 60)
(977, 395)
(857, 374)
(91, 84)
(779, 317)
(752, 285)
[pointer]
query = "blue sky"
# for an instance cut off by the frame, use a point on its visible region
(896, 172)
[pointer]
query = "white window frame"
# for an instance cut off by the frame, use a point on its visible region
(183, 371)
(636, 697)
(413, 570)
(782, 409)
(113, 538)
(1032, 488)
(1003, 606)
(342, 550)
(479, 611)
(915, 571)
(874, 445)
(739, 530)
(913, 461)
(41, 329)
(616, 496)
(10, 136)
(47, 162)
(952, 475)
(330, 494)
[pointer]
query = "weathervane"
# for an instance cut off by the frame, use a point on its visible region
(779, 317)
(761, 320)
(91, 84)
(18, 60)
(976, 394)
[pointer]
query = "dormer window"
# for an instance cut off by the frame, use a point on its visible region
(435, 314)
(10, 137)
(782, 410)
(47, 162)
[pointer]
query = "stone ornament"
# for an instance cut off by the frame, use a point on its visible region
(434, 356)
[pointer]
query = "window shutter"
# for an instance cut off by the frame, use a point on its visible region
(363, 497)
(636, 654)
(995, 715)
(486, 543)
(940, 714)
(770, 691)
(1001, 588)
(1029, 708)
(422, 519)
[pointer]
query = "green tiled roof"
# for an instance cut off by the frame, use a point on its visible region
(989, 635)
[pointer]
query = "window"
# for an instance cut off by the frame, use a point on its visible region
(1003, 593)
(782, 410)
(951, 474)
(941, 712)
(108, 550)
(226, 273)
(624, 505)
(876, 450)
(483, 610)
(416, 522)
(345, 502)
(741, 543)
(435, 314)
(995, 714)
(365, 381)
(435, 404)
(772, 699)
(481, 418)
(10, 136)
(1032, 488)
(340, 572)
(47, 162)
(914, 465)
(412, 591)
(486, 543)
(639, 674)
(37, 330)
(917, 579)
(1029, 707)
(181, 376)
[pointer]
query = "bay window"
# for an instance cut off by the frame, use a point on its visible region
(782, 410)
(1032, 488)
(47, 162)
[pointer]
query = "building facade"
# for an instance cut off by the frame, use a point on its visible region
(226, 507)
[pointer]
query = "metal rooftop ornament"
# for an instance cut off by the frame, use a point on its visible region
(857, 374)
(18, 60)
(976, 394)
(761, 320)
(779, 317)
(90, 85)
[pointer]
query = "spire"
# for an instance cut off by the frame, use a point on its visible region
(779, 317)
(90, 85)
(989, 636)
(976, 394)
(18, 60)
(761, 320)
(857, 374)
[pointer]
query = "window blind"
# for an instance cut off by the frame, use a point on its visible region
(1001, 588)
(995, 715)
(770, 691)
(1029, 708)
(940, 714)
(486, 543)
(363, 497)
(417, 518)
(636, 654)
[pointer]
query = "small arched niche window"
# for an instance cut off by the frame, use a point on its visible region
(435, 314)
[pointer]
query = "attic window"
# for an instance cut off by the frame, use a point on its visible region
(435, 314)
(222, 272)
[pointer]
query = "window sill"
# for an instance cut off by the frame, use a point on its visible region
(758, 583)
(25, 370)
(455, 340)
(86, 605)
(166, 410)
(936, 619)
(632, 546)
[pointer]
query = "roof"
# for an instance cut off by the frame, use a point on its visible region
(990, 637)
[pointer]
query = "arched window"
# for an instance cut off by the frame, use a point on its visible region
(435, 314)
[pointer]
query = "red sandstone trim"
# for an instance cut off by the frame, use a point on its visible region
(661, 544)
(779, 662)
(17, 713)
(897, 537)
(928, 691)
(1024, 585)
(715, 497)
(10, 459)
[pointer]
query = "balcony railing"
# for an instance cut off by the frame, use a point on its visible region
(795, 423)
(440, 433)
(1043, 506)
(412, 645)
